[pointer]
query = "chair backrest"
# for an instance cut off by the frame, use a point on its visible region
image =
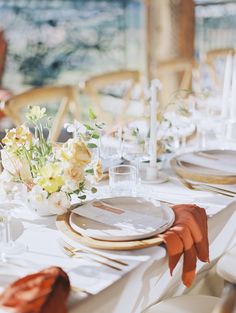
(178, 66)
(211, 59)
(211, 55)
(175, 74)
(227, 303)
(93, 88)
(64, 96)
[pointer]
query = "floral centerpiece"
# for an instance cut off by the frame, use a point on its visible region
(46, 175)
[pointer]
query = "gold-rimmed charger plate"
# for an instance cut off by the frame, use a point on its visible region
(213, 167)
(63, 225)
(121, 218)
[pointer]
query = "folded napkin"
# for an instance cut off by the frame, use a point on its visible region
(42, 292)
(188, 236)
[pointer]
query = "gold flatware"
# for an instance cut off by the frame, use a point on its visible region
(166, 202)
(86, 256)
(202, 187)
(73, 249)
(78, 290)
(220, 189)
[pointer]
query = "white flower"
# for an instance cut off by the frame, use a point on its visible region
(69, 186)
(5, 176)
(73, 177)
(12, 191)
(36, 113)
(59, 203)
(16, 167)
(4, 194)
(156, 83)
(8, 162)
(37, 194)
(37, 199)
(20, 192)
(75, 127)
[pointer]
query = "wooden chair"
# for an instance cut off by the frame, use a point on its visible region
(175, 74)
(225, 268)
(64, 96)
(211, 55)
(198, 303)
(95, 87)
(181, 66)
(211, 59)
(227, 304)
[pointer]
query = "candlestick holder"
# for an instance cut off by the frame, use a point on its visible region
(151, 174)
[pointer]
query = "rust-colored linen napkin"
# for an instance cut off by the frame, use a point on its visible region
(42, 292)
(188, 236)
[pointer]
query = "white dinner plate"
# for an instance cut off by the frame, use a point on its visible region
(221, 162)
(207, 166)
(121, 218)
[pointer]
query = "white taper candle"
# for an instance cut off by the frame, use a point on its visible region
(227, 85)
(155, 85)
(233, 93)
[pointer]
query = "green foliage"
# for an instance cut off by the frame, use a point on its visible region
(94, 190)
(92, 115)
(90, 171)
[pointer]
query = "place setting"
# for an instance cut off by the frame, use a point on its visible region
(207, 166)
(118, 156)
(117, 223)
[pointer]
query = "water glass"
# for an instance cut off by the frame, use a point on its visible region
(8, 247)
(2, 230)
(123, 180)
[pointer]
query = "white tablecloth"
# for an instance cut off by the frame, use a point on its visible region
(147, 279)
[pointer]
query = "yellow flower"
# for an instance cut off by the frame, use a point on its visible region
(98, 171)
(17, 137)
(75, 152)
(73, 176)
(81, 155)
(35, 113)
(51, 177)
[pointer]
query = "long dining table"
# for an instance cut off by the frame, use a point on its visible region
(146, 280)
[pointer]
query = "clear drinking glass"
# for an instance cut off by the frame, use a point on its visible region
(8, 247)
(123, 180)
(2, 229)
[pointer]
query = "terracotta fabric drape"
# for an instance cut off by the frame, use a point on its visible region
(42, 292)
(188, 236)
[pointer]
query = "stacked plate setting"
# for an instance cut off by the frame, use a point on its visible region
(120, 223)
(208, 166)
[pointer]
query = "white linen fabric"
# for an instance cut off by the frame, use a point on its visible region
(146, 280)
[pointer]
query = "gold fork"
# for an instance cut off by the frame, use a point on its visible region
(72, 254)
(73, 249)
(78, 290)
(202, 187)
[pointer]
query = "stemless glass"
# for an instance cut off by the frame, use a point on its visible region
(109, 152)
(8, 247)
(2, 229)
(123, 180)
